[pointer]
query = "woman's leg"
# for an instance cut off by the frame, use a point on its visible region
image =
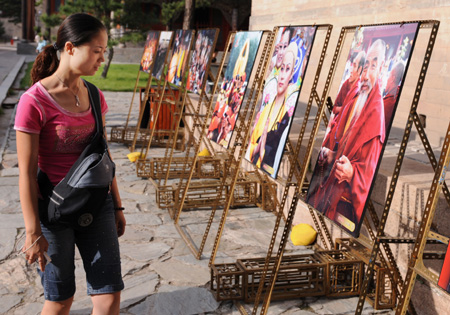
(59, 308)
(99, 249)
(106, 304)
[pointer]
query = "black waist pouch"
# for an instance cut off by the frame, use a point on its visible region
(79, 196)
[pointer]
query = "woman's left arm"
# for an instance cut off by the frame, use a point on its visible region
(120, 217)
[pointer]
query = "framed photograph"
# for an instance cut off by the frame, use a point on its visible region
(161, 54)
(200, 59)
(444, 277)
(149, 54)
(180, 54)
(234, 85)
(284, 77)
(359, 125)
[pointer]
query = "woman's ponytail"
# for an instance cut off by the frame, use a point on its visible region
(45, 64)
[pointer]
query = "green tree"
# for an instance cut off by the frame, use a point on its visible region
(132, 17)
(12, 10)
(171, 10)
(50, 21)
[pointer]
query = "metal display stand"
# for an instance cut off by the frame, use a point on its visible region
(177, 100)
(126, 134)
(159, 170)
(232, 178)
(416, 264)
(389, 272)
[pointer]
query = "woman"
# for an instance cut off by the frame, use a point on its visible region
(54, 122)
(274, 118)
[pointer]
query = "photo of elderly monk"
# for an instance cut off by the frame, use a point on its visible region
(161, 54)
(180, 53)
(359, 123)
(283, 82)
(231, 93)
(149, 51)
(200, 58)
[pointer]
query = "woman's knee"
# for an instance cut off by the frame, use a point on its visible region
(106, 304)
(57, 307)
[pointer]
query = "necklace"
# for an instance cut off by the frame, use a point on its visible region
(77, 100)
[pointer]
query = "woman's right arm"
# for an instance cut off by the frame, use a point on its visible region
(27, 154)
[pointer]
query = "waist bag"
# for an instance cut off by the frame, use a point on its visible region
(79, 196)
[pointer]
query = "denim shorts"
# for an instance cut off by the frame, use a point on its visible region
(99, 249)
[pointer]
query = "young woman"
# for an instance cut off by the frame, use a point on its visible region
(54, 123)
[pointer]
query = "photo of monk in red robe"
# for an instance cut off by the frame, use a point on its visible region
(353, 146)
(354, 140)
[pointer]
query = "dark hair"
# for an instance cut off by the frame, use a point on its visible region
(78, 28)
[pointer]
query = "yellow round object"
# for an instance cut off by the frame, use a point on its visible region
(204, 152)
(133, 156)
(303, 234)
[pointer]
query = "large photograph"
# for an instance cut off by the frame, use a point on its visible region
(444, 277)
(231, 94)
(198, 66)
(284, 79)
(180, 54)
(360, 122)
(149, 51)
(161, 54)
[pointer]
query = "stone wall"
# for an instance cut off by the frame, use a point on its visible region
(415, 177)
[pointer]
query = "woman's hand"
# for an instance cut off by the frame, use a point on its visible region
(120, 222)
(34, 248)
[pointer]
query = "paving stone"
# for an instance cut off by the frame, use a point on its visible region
(7, 241)
(11, 221)
(182, 301)
(176, 272)
(143, 218)
(145, 252)
(10, 172)
(8, 301)
(29, 309)
(138, 288)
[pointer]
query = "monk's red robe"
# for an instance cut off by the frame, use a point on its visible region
(361, 144)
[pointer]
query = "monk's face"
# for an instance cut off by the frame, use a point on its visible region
(371, 71)
(282, 45)
(355, 72)
(286, 72)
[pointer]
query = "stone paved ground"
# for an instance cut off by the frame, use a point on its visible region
(160, 273)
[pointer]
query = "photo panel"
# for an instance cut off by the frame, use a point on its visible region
(444, 276)
(161, 54)
(359, 125)
(276, 110)
(200, 59)
(180, 54)
(234, 85)
(149, 54)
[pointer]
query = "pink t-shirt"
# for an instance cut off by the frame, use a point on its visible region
(63, 135)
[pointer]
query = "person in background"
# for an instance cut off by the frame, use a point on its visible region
(41, 44)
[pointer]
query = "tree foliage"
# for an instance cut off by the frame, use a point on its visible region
(99, 8)
(170, 10)
(133, 17)
(11, 10)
